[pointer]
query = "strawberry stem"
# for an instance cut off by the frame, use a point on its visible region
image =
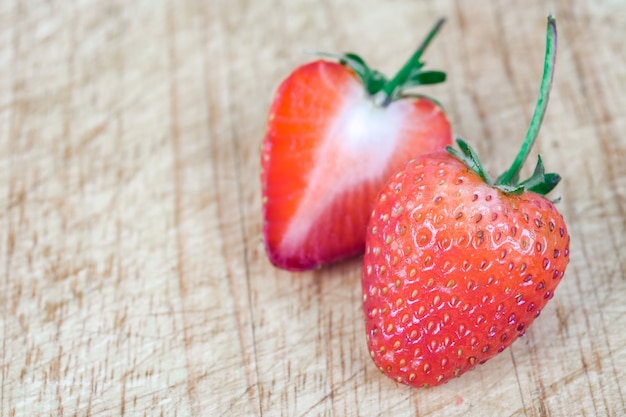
(409, 74)
(383, 91)
(542, 103)
(540, 182)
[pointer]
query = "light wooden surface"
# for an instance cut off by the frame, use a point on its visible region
(133, 278)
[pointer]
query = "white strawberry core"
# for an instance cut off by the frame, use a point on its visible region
(357, 148)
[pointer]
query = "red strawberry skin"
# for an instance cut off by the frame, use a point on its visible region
(327, 152)
(454, 270)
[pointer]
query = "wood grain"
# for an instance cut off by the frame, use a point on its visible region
(134, 280)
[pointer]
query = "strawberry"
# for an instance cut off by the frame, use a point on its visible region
(457, 265)
(335, 133)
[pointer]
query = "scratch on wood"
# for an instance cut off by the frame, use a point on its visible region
(517, 380)
(608, 140)
(251, 380)
(178, 183)
(464, 59)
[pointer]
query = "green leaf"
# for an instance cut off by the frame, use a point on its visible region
(540, 182)
(539, 169)
(354, 58)
(515, 189)
(358, 65)
(476, 165)
(428, 77)
(376, 82)
(372, 80)
(421, 78)
(550, 181)
(408, 76)
(383, 90)
(455, 152)
(469, 158)
(416, 69)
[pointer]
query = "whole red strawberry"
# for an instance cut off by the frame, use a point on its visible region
(335, 133)
(458, 265)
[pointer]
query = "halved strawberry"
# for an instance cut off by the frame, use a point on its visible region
(336, 132)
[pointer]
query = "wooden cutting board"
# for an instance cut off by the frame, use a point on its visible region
(133, 275)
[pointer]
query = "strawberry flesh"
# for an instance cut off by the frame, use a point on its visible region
(328, 151)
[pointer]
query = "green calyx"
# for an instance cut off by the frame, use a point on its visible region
(539, 182)
(383, 90)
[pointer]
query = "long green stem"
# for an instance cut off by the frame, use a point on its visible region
(401, 77)
(540, 109)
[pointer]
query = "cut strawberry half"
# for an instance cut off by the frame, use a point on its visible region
(336, 132)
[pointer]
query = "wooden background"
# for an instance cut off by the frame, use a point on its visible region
(133, 279)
